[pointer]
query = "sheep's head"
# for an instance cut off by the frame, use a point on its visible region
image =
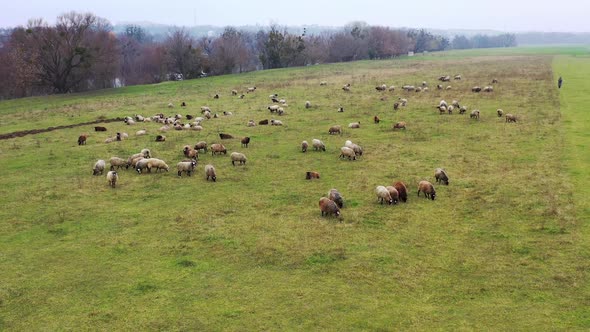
(433, 195)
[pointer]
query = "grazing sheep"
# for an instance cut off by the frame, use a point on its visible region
(139, 118)
(403, 101)
(252, 89)
(510, 117)
(133, 162)
(205, 109)
(381, 87)
(202, 145)
(210, 173)
(400, 125)
(474, 114)
(140, 132)
(146, 153)
(98, 168)
(488, 89)
(442, 109)
(82, 139)
(245, 141)
(118, 162)
(186, 166)
(425, 89)
(190, 152)
(340, 109)
(160, 138)
(328, 207)
(110, 139)
(318, 145)
(402, 191)
(443, 103)
(183, 105)
(354, 125)
(170, 105)
(251, 123)
(280, 111)
(274, 100)
(450, 109)
(225, 136)
(376, 119)
(393, 193)
(441, 176)
(383, 195)
(218, 149)
(227, 113)
(455, 103)
(283, 102)
(462, 109)
(418, 89)
(312, 175)
(129, 121)
(358, 151)
(304, 146)
(409, 88)
(308, 104)
(424, 84)
(323, 83)
(500, 112)
(439, 87)
(476, 89)
(346, 152)
(158, 164)
(334, 195)
(263, 122)
(391, 88)
(242, 96)
(346, 88)
(395, 106)
(444, 78)
(274, 122)
(273, 108)
(143, 164)
(112, 178)
(494, 81)
(337, 129)
(427, 188)
(457, 77)
(216, 96)
(100, 129)
(164, 128)
(234, 92)
(196, 127)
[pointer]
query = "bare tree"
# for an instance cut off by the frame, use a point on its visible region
(183, 55)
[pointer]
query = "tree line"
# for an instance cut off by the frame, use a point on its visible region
(80, 52)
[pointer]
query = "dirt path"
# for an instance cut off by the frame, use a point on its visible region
(38, 131)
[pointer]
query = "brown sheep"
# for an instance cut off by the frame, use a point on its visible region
(160, 138)
(334, 195)
(500, 112)
(225, 136)
(190, 152)
(402, 191)
(202, 145)
(441, 176)
(312, 175)
(263, 122)
(328, 207)
(245, 141)
(510, 118)
(82, 139)
(400, 125)
(395, 106)
(210, 173)
(218, 149)
(304, 146)
(335, 130)
(427, 188)
(393, 193)
(100, 129)
(376, 119)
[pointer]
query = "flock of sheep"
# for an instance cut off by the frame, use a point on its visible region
(144, 162)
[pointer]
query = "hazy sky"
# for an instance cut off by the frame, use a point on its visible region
(506, 15)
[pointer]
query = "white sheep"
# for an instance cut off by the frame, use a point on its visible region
(141, 132)
(346, 152)
(239, 157)
(118, 162)
(318, 145)
(112, 178)
(383, 195)
(98, 168)
(354, 125)
(210, 173)
(186, 166)
(274, 122)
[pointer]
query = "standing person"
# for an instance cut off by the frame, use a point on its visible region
(559, 82)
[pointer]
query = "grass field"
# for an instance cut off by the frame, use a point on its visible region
(503, 247)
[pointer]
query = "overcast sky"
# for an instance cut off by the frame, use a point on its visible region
(505, 15)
